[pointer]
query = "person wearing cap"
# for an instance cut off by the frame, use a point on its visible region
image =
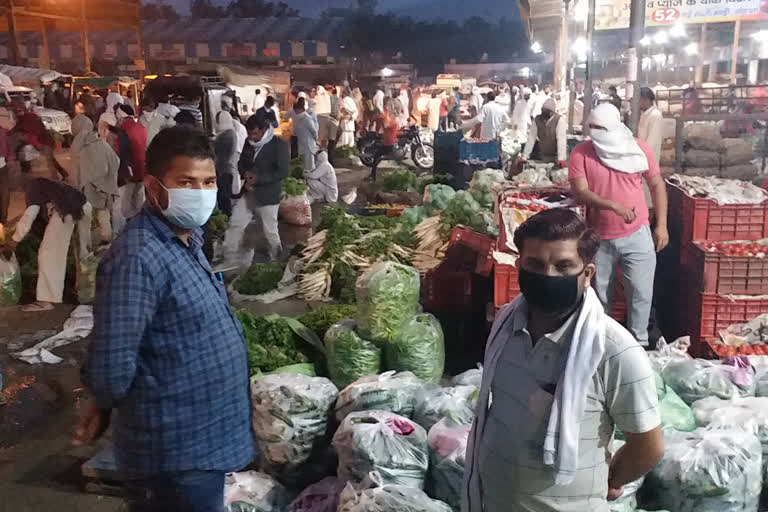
(546, 136)
(606, 174)
(651, 125)
(521, 119)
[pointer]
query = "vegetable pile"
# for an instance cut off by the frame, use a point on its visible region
(349, 356)
(260, 278)
(736, 248)
(297, 168)
(387, 297)
(293, 187)
(322, 318)
(217, 225)
(400, 179)
(419, 347)
(272, 343)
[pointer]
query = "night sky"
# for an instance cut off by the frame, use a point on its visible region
(420, 9)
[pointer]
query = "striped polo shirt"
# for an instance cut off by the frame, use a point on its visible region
(622, 394)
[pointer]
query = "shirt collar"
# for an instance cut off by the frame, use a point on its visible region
(561, 334)
(164, 230)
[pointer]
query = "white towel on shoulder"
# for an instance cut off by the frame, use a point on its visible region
(561, 444)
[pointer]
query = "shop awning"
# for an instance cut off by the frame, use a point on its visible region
(21, 75)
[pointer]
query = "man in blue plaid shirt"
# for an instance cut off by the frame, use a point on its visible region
(167, 354)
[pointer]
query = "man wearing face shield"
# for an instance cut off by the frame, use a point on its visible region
(606, 174)
(166, 351)
(547, 136)
(562, 375)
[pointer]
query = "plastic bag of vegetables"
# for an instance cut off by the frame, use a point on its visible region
(482, 186)
(349, 356)
(447, 452)
(673, 411)
(373, 495)
(390, 444)
(419, 348)
(434, 404)
(695, 379)
(707, 471)
(387, 297)
(322, 496)
(322, 318)
(748, 414)
(10, 281)
(290, 413)
(295, 207)
(252, 491)
(471, 377)
(436, 197)
(414, 215)
(464, 210)
(390, 391)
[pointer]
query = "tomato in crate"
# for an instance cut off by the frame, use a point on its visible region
(729, 268)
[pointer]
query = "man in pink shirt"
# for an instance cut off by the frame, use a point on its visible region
(606, 174)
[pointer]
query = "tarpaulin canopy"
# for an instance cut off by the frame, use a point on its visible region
(20, 75)
(279, 81)
(102, 82)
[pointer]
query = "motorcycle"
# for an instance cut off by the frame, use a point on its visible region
(409, 143)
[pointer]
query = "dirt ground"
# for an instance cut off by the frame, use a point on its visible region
(39, 469)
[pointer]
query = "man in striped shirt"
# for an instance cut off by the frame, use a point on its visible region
(527, 359)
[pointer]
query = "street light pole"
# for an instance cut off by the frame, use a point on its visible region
(634, 66)
(588, 70)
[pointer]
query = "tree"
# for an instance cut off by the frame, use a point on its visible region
(206, 9)
(260, 9)
(158, 11)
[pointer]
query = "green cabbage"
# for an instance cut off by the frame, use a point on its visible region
(436, 197)
(387, 297)
(349, 356)
(419, 348)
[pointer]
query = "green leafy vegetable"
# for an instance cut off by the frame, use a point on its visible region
(217, 225)
(10, 282)
(297, 168)
(436, 197)
(400, 179)
(349, 356)
(387, 297)
(419, 347)
(464, 210)
(293, 187)
(272, 343)
(345, 152)
(322, 318)
(343, 279)
(260, 278)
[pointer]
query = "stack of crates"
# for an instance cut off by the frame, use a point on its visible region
(716, 290)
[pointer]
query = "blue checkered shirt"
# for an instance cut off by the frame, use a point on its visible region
(168, 355)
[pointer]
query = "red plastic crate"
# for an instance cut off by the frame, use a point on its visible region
(505, 286)
(704, 219)
(722, 274)
(711, 349)
(712, 313)
(482, 244)
(447, 291)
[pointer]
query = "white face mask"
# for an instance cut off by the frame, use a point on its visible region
(190, 208)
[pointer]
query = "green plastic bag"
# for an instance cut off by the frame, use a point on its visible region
(414, 216)
(387, 297)
(436, 197)
(349, 356)
(10, 281)
(675, 413)
(419, 348)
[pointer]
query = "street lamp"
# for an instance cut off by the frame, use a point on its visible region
(661, 37)
(678, 31)
(691, 49)
(645, 41)
(536, 47)
(387, 72)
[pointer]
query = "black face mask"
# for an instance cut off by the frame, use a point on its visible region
(549, 293)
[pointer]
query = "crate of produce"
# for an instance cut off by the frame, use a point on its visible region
(735, 268)
(505, 286)
(447, 291)
(711, 313)
(482, 244)
(516, 205)
(478, 150)
(704, 219)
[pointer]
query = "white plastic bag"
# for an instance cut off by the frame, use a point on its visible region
(252, 491)
(436, 403)
(374, 495)
(627, 502)
(290, 413)
(380, 441)
(391, 391)
(708, 471)
(28, 152)
(10, 281)
(695, 379)
(472, 377)
(296, 210)
(447, 455)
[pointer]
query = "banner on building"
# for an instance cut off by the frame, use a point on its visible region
(614, 14)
